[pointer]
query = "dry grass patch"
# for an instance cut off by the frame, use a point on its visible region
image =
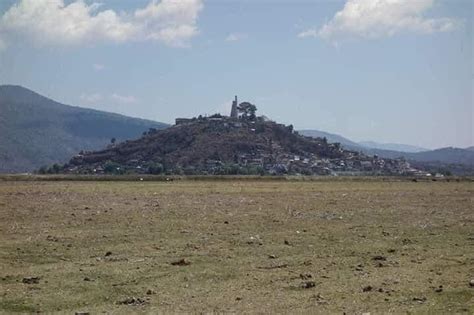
(245, 246)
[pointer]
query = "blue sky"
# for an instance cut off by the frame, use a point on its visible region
(384, 70)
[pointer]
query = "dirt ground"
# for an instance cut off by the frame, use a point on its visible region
(237, 246)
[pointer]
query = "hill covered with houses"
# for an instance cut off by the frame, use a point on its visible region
(242, 143)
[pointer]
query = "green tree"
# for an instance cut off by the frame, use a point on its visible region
(56, 168)
(43, 170)
(247, 110)
(155, 168)
(112, 168)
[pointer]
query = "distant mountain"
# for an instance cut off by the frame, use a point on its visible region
(445, 155)
(442, 156)
(36, 131)
(331, 137)
(220, 145)
(363, 145)
(392, 146)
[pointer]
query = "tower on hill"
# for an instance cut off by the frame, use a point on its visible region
(233, 112)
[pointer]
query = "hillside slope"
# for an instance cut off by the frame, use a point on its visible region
(444, 155)
(223, 145)
(36, 131)
(332, 138)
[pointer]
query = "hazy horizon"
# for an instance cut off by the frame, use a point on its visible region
(396, 72)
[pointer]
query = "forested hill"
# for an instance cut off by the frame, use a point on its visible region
(36, 131)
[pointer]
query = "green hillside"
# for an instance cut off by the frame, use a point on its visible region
(36, 131)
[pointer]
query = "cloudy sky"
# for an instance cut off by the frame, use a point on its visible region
(384, 70)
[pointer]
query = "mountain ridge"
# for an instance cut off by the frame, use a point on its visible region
(393, 146)
(447, 155)
(38, 131)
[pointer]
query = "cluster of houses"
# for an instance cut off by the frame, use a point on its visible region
(315, 155)
(311, 164)
(278, 162)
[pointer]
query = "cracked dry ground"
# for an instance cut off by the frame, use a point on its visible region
(237, 246)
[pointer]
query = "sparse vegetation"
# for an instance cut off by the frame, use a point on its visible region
(219, 145)
(239, 246)
(53, 169)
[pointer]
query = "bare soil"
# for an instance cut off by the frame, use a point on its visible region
(237, 246)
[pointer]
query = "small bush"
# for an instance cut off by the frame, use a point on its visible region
(113, 168)
(155, 168)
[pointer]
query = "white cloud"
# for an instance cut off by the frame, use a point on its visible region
(233, 37)
(98, 66)
(173, 22)
(91, 98)
(381, 18)
(123, 99)
(312, 32)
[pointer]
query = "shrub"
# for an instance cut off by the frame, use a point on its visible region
(113, 168)
(255, 170)
(155, 168)
(43, 170)
(56, 168)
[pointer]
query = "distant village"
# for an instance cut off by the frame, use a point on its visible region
(317, 156)
(278, 163)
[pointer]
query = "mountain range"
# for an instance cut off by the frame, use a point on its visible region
(363, 144)
(392, 146)
(449, 155)
(37, 131)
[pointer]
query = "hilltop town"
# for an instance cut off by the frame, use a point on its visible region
(241, 143)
